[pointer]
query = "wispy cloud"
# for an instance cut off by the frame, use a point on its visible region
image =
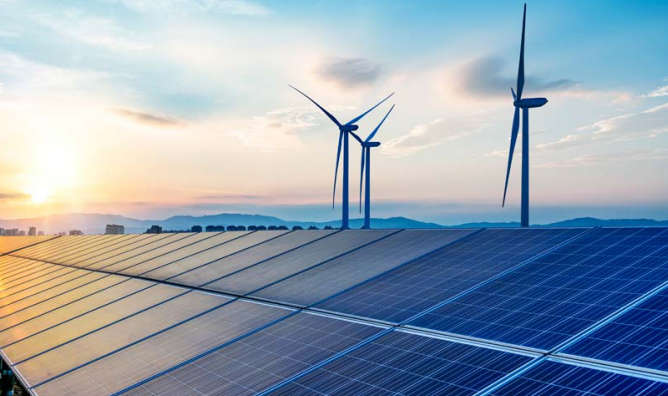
(424, 136)
(644, 125)
(91, 30)
(349, 72)
(232, 7)
(150, 119)
(13, 196)
(657, 93)
(591, 160)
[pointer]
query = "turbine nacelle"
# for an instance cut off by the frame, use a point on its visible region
(370, 144)
(348, 128)
(530, 103)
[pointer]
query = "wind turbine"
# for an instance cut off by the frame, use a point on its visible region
(525, 105)
(344, 131)
(367, 144)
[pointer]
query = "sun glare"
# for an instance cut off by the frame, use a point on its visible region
(38, 195)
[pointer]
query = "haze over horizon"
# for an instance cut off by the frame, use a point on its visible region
(155, 108)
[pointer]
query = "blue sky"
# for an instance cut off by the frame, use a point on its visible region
(156, 107)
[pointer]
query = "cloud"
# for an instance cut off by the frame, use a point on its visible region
(644, 125)
(348, 72)
(424, 136)
(275, 130)
(231, 7)
(149, 119)
(657, 93)
(91, 30)
(592, 160)
(13, 196)
(484, 77)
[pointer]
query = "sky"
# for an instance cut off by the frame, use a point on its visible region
(153, 108)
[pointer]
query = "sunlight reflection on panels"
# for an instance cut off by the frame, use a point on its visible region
(97, 254)
(163, 351)
(95, 242)
(48, 294)
(261, 360)
(93, 320)
(253, 278)
(50, 278)
(152, 244)
(232, 247)
(249, 257)
(325, 280)
(180, 248)
(121, 334)
(55, 246)
(15, 243)
(82, 300)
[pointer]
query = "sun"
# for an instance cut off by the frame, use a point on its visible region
(39, 195)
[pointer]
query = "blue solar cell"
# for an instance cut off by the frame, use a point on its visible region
(261, 360)
(413, 288)
(548, 301)
(639, 337)
(401, 363)
(555, 379)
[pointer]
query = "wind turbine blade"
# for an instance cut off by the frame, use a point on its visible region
(354, 120)
(336, 170)
(513, 140)
(331, 117)
(512, 91)
(362, 175)
(368, 139)
(520, 71)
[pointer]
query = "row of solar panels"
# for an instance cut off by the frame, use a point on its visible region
(91, 315)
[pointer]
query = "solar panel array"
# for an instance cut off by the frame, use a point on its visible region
(327, 312)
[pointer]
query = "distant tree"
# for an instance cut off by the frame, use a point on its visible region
(219, 228)
(231, 228)
(282, 228)
(297, 228)
(196, 228)
(272, 228)
(261, 228)
(252, 228)
(328, 227)
(210, 228)
(241, 228)
(313, 228)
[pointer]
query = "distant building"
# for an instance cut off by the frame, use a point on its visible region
(297, 228)
(22, 233)
(210, 228)
(114, 229)
(196, 228)
(155, 229)
(11, 232)
(76, 232)
(231, 228)
(32, 231)
(40, 233)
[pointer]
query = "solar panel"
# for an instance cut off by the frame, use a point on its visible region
(341, 273)
(141, 264)
(49, 293)
(246, 240)
(413, 288)
(87, 299)
(60, 332)
(156, 354)
(15, 243)
(18, 265)
(45, 246)
(554, 378)
(56, 246)
(556, 296)
(639, 337)
(39, 286)
(77, 249)
(261, 360)
(97, 344)
(257, 276)
(401, 363)
(98, 254)
(150, 245)
(248, 257)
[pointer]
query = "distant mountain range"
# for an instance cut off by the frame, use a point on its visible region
(93, 223)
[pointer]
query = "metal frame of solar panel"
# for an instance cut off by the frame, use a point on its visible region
(73, 331)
